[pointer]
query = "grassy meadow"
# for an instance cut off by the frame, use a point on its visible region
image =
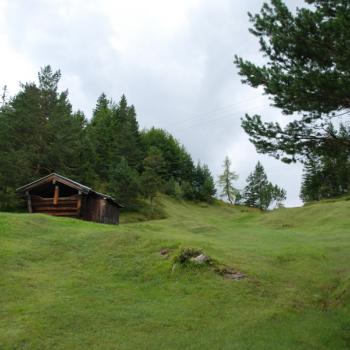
(69, 284)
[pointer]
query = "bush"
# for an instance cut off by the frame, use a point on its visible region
(186, 254)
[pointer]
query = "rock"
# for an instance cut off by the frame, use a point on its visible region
(234, 275)
(200, 259)
(230, 273)
(164, 252)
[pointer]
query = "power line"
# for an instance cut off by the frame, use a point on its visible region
(218, 118)
(214, 111)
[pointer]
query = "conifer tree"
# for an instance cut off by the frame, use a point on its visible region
(327, 174)
(178, 164)
(259, 192)
(226, 182)
(306, 72)
(203, 184)
(99, 133)
(151, 180)
(124, 184)
(40, 133)
(114, 134)
(61, 127)
(126, 134)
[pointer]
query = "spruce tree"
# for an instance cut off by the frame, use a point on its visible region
(259, 192)
(312, 181)
(63, 131)
(203, 184)
(226, 182)
(124, 184)
(151, 181)
(114, 134)
(327, 174)
(126, 134)
(40, 134)
(99, 135)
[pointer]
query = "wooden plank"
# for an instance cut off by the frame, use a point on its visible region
(56, 195)
(43, 199)
(59, 204)
(29, 203)
(40, 208)
(79, 204)
(73, 209)
(50, 200)
(48, 205)
(59, 213)
(56, 207)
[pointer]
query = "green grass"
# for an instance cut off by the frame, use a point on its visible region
(69, 284)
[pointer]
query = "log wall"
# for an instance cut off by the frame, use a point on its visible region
(63, 206)
(89, 208)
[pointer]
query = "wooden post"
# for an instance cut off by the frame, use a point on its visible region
(29, 202)
(56, 195)
(79, 203)
(102, 203)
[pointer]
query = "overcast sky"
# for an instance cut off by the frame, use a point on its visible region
(172, 59)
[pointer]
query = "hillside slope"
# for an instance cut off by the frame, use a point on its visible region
(68, 284)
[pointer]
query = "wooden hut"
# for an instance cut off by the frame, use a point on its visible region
(59, 196)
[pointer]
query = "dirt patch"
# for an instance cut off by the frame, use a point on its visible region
(165, 252)
(230, 273)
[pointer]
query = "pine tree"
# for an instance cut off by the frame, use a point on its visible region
(151, 181)
(114, 134)
(306, 72)
(312, 181)
(40, 134)
(203, 184)
(226, 182)
(259, 192)
(100, 137)
(124, 184)
(126, 135)
(279, 195)
(10, 170)
(327, 174)
(63, 127)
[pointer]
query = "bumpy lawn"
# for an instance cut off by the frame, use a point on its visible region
(68, 284)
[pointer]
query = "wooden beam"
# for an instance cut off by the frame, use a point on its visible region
(70, 200)
(54, 208)
(56, 195)
(79, 204)
(29, 202)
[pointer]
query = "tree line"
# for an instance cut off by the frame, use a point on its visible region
(40, 134)
(258, 192)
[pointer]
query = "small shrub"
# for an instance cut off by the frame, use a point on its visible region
(186, 254)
